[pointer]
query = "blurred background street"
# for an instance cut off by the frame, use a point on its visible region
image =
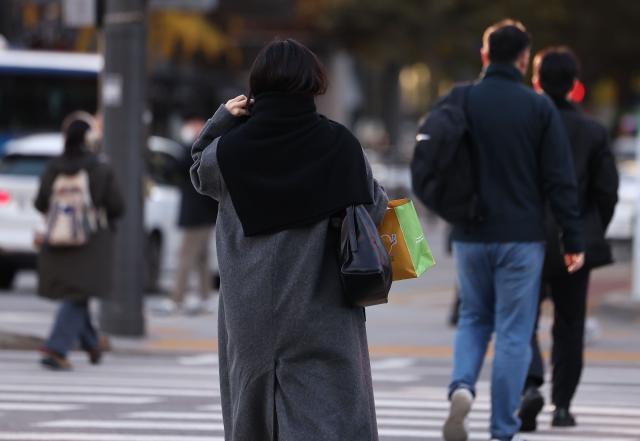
(388, 61)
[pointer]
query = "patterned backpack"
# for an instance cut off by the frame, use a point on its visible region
(72, 217)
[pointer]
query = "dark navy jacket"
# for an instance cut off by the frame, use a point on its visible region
(523, 160)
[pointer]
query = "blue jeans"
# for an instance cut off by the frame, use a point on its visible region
(499, 289)
(73, 323)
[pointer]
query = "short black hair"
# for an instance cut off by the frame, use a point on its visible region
(287, 66)
(75, 127)
(506, 40)
(557, 69)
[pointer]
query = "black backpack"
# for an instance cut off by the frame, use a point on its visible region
(443, 170)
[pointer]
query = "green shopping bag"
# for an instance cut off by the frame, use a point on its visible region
(402, 235)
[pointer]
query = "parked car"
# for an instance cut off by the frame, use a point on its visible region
(25, 159)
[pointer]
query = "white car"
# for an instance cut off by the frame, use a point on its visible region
(622, 224)
(25, 159)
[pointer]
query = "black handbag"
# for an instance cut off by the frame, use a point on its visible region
(365, 264)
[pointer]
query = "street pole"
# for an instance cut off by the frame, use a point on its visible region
(123, 103)
(635, 291)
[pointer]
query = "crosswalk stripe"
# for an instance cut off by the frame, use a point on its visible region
(210, 407)
(144, 370)
(75, 436)
(37, 407)
(81, 379)
(170, 392)
(410, 433)
(130, 424)
(409, 402)
(204, 416)
(403, 417)
(64, 398)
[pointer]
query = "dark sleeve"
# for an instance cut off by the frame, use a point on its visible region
(603, 185)
(44, 191)
(559, 179)
(205, 173)
(113, 201)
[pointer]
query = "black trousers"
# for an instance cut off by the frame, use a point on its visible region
(569, 296)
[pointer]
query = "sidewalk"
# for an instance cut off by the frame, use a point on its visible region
(412, 324)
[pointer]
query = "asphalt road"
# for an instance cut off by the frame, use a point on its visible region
(170, 398)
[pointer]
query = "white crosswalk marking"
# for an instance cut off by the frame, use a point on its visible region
(136, 398)
(35, 436)
(37, 407)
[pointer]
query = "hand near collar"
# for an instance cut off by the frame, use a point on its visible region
(238, 106)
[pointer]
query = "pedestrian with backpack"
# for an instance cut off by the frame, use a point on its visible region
(506, 155)
(80, 199)
(555, 72)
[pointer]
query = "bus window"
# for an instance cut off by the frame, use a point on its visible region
(39, 101)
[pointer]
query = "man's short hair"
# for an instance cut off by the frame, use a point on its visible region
(505, 41)
(557, 68)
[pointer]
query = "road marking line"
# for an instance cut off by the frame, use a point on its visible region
(80, 380)
(167, 392)
(210, 407)
(36, 407)
(583, 420)
(127, 425)
(64, 398)
(197, 360)
(74, 436)
(205, 416)
(400, 433)
(107, 369)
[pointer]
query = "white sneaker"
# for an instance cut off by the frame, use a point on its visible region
(455, 428)
(197, 306)
(166, 307)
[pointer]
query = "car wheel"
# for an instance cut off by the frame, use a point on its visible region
(153, 259)
(7, 276)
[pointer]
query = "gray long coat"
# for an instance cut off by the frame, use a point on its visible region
(294, 361)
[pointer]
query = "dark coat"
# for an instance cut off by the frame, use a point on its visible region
(597, 189)
(523, 160)
(78, 273)
(196, 210)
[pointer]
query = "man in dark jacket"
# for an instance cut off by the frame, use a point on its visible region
(523, 159)
(197, 218)
(555, 73)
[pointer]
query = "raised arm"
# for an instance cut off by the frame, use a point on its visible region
(205, 173)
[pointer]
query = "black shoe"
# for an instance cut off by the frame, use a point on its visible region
(563, 418)
(532, 404)
(54, 361)
(95, 355)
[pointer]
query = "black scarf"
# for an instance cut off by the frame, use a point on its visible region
(287, 166)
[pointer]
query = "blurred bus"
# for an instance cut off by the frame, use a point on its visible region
(38, 89)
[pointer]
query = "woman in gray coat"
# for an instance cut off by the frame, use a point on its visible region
(74, 274)
(294, 361)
